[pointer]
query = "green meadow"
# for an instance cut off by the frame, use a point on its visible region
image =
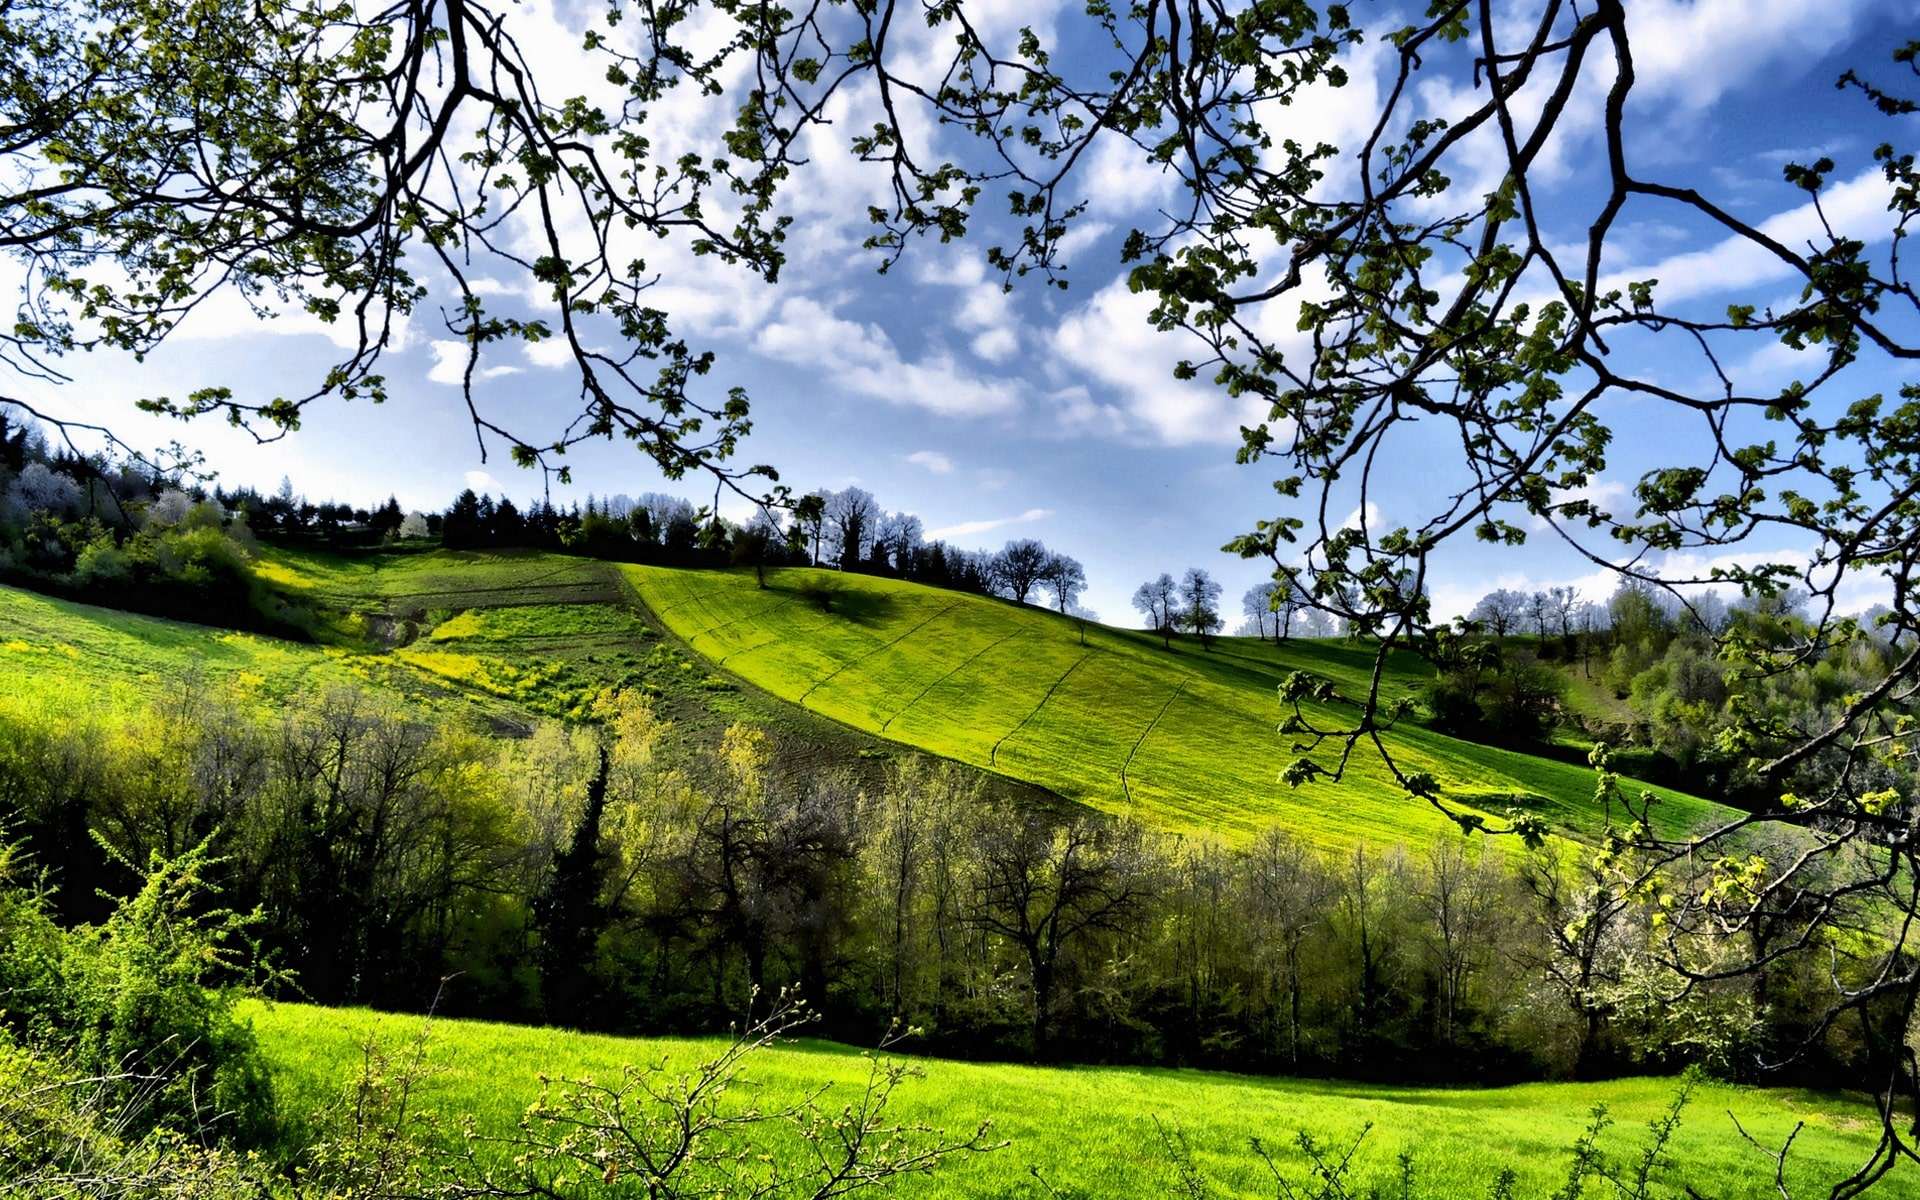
(1094, 1131)
(1183, 738)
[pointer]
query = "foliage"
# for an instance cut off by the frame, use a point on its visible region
(143, 1004)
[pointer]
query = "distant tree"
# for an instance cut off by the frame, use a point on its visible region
(460, 528)
(897, 541)
(385, 521)
(1501, 611)
(850, 520)
(1019, 566)
(1156, 599)
(1258, 603)
(1540, 611)
(1065, 578)
(758, 543)
(1316, 623)
(1200, 604)
(509, 527)
(1564, 601)
(414, 527)
(1707, 612)
(681, 538)
(1289, 605)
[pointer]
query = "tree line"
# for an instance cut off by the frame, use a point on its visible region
(623, 878)
(108, 528)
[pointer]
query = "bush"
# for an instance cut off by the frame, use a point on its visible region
(143, 1002)
(1518, 702)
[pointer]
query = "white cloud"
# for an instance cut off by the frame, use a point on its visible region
(1110, 340)
(481, 481)
(997, 345)
(932, 460)
(863, 359)
(1694, 51)
(450, 364)
(1856, 207)
(549, 352)
(973, 528)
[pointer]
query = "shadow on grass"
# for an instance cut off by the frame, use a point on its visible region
(832, 596)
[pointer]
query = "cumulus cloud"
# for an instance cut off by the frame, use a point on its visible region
(863, 359)
(1110, 340)
(481, 481)
(932, 460)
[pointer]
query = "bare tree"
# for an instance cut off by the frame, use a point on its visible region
(1019, 566)
(1459, 899)
(1540, 611)
(898, 539)
(1500, 611)
(1199, 604)
(1157, 600)
(849, 521)
(1261, 605)
(1065, 578)
(1288, 891)
(1044, 887)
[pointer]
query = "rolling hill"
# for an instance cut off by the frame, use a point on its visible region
(1094, 1131)
(1184, 738)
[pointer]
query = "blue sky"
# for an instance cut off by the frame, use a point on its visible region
(1043, 413)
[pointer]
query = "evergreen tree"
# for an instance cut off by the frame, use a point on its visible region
(569, 914)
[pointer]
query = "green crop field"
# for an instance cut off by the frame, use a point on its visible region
(1092, 1130)
(1183, 738)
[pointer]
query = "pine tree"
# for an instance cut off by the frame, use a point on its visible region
(569, 914)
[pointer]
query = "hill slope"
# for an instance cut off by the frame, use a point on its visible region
(1183, 738)
(1094, 1131)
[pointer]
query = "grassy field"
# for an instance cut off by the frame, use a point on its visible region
(1183, 738)
(80, 658)
(1092, 1130)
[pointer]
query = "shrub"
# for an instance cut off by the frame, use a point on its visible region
(143, 1002)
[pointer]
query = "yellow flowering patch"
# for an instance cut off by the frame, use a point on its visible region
(467, 625)
(282, 574)
(19, 646)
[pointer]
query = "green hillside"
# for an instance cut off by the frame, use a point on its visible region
(1092, 1131)
(1183, 738)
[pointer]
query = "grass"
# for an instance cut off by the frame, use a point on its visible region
(1092, 1130)
(492, 639)
(1108, 717)
(71, 657)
